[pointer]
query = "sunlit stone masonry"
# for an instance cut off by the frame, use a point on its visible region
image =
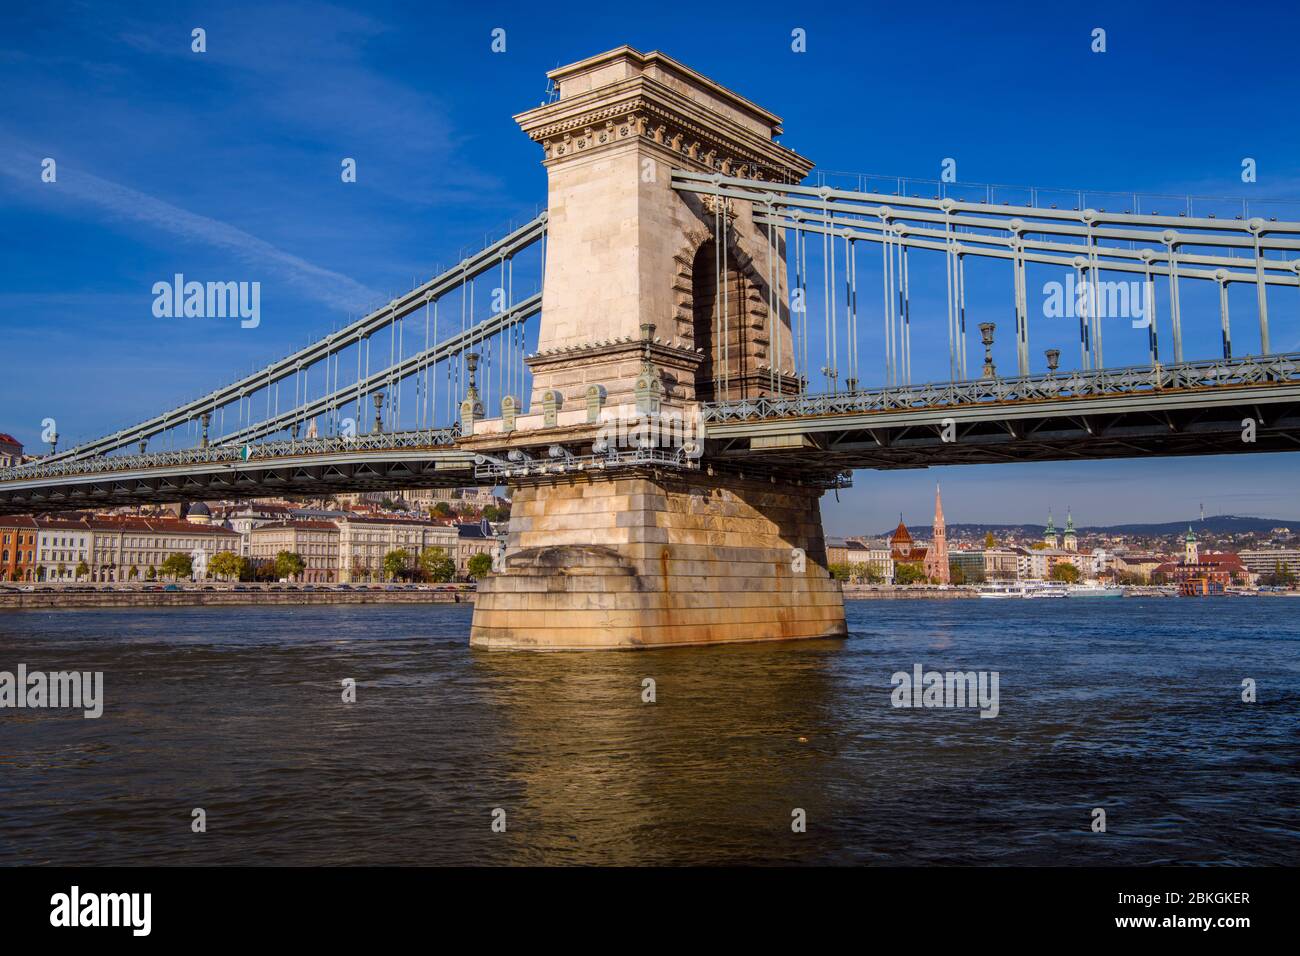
(649, 560)
(653, 301)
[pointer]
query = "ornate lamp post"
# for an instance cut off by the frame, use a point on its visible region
(471, 366)
(986, 334)
(471, 409)
(378, 399)
(1053, 361)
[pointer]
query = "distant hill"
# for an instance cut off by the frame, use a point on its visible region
(1218, 524)
(1214, 524)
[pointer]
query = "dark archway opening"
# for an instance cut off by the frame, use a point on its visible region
(720, 326)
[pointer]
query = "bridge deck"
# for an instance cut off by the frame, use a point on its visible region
(1224, 406)
(371, 463)
(1213, 407)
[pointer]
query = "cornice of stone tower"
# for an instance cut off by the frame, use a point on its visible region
(624, 95)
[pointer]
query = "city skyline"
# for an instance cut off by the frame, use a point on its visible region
(1108, 493)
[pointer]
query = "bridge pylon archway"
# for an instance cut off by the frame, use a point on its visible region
(622, 534)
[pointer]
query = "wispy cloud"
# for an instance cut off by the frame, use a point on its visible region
(123, 203)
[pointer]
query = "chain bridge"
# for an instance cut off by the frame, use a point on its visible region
(672, 363)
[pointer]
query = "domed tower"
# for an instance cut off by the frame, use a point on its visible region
(1071, 541)
(1191, 554)
(1049, 536)
(198, 513)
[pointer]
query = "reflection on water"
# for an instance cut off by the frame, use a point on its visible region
(1129, 705)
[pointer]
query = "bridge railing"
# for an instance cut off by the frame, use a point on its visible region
(1131, 380)
(558, 462)
(220, 454)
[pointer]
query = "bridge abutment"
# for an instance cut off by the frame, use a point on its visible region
(658, 559)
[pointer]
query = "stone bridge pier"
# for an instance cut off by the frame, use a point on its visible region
(622, 533)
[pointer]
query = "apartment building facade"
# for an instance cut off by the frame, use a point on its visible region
(18, 548)
(1271, 560)
(11, 451)
(61, 546)
(127, 548)
(316, 542)
(364, 542)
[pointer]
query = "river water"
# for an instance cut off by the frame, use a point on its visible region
(1133, 706)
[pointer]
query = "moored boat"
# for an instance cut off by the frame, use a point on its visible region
(1094, 591)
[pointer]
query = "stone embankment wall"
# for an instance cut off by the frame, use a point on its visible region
(55, 599)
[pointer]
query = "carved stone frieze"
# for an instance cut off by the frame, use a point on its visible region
(648, 117)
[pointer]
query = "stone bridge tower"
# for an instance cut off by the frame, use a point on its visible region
(653, 301)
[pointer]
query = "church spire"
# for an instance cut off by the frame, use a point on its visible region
(1071, 540)
(936, 559)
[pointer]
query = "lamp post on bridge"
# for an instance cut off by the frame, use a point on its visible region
(471, 366)
(1053, 361)
(205, 420)
(986, 334)
(471, 409)
(378, 399)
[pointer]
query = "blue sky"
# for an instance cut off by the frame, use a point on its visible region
(226, 165)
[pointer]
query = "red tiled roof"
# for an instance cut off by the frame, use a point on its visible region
(367, 519)
(61, 523)
(301, 525)
(1222, 561)
(120, 523)
(257, 509)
